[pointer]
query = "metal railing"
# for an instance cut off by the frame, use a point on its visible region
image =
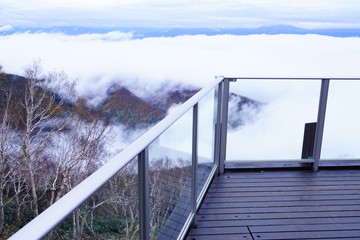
(52, 216)
(315, 159)
(55, 214)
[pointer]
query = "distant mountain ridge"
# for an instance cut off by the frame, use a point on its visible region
(124, 107)
(139, 33)
(121, 106)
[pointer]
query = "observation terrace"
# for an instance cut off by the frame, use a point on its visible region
(191, 184)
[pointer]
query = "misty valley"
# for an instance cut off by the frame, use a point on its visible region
(52, 139)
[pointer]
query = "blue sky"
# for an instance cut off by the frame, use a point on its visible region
(184, 13)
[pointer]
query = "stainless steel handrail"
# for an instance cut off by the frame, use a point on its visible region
(291, 78)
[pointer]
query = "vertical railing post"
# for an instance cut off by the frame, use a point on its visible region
(144, 193)
(194, 161)
(223, 122)
(320, 122)
(217, 119)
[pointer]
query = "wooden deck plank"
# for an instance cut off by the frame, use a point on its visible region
(259, 165)
(221, 236)
(286, 184)
(271, 222)
(285, 188)
(281, 205)
(281, 193)
(295, 209)
(279, 215)
(266, 179)
(335, 234)
(290, 173)
(281, 198)
(275, 229)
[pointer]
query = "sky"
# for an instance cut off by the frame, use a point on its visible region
(184, 13)
(98, 60)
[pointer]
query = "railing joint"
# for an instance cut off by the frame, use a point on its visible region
(231, 79)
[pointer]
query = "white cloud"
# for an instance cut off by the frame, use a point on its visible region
(98, 60)
(190, 59)
(5, 28)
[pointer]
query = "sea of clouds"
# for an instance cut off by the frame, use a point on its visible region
(98, 60)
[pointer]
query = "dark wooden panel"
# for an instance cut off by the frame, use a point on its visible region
(308, 141)
(281, 205)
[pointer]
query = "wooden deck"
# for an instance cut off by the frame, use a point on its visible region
(284, 204)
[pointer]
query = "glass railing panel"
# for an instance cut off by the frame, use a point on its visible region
(341, 130)
(110, 213)
(267, 117)
(206, 138)
(170, 179)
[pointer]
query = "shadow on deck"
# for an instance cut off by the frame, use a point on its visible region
(282, 204)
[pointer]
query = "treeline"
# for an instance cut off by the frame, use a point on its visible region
(49, 142)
